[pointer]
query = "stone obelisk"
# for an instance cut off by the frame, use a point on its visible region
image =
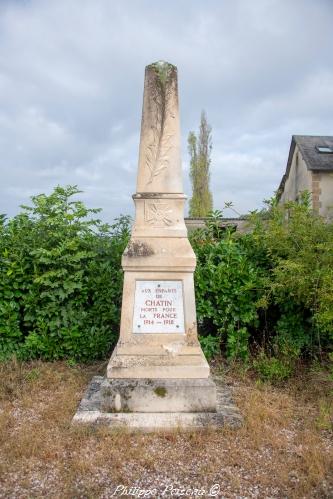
(158, 333)
(157, 377)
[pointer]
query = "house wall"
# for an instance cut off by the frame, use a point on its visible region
(320, 184)
(299, 179)
(326, 195)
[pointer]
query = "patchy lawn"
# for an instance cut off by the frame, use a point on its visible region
(284, 448)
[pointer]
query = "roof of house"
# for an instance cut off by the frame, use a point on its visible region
(314, 160)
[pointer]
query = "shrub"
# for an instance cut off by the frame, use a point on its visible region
(271, 287)
(227, 286)
(271, 368)
(210, 346)
(60, 279)
(298, 249)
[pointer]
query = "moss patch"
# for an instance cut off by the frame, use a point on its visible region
(163, 71)
(160, 391)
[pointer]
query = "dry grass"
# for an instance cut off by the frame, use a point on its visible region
(284, 448)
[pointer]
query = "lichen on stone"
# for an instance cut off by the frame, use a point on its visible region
(160, 391)
(163, 70)
(137, 249)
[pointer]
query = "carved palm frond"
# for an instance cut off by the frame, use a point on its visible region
(157, 153)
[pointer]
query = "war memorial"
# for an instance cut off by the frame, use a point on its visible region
(158, 377)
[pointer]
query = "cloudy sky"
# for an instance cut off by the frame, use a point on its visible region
(71, 83)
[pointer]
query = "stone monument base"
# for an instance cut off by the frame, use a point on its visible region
(158, 395)
(153, 405)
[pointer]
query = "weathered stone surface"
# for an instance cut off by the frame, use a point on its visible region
(158, 395)
(157, 377)
(93, 410)
(159, 157)
(158, 365)
(159, 250)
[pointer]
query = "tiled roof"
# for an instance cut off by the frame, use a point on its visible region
(314, 160)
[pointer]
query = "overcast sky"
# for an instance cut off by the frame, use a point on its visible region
(71, 84)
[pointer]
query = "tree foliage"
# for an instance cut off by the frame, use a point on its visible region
(271, 288)
(297, 245)
(60, 279)
(199, 147)
(268, 290)
(226, 286)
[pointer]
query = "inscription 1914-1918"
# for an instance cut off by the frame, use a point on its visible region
(158, 307)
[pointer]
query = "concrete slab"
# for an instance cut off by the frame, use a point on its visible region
(92, 411)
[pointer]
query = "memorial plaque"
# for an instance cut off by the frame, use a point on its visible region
(158, 307)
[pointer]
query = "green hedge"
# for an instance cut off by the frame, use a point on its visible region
(270, 289)
(60, 280)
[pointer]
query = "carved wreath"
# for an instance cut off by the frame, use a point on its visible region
(159, 214)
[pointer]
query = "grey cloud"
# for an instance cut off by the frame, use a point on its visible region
(71, 82)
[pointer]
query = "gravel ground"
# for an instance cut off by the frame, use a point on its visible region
(283, 449)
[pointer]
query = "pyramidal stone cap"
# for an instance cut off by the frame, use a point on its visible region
(159, 156)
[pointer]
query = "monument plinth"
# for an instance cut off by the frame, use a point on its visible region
(157, 376)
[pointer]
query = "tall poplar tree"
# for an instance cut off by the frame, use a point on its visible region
(199, 148)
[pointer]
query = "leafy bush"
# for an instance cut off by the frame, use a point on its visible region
(60, 279)
(271, 368)
(298, 247)
(270, 288)
(226, 288)
(210, 346)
